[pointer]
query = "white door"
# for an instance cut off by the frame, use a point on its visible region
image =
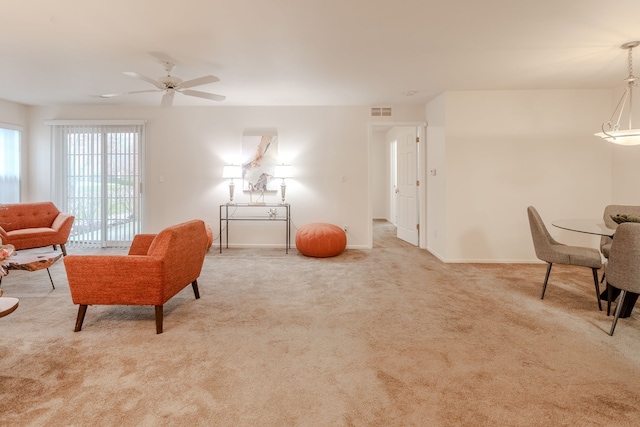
(407, 185)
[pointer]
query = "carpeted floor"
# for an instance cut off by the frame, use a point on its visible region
(383, 337)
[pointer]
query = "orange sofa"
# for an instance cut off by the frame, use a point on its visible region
(156, 268)
(34, 225)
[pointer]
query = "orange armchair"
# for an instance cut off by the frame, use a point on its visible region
(156, 268)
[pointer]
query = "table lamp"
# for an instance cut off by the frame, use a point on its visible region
(230, 172)
(283, 171)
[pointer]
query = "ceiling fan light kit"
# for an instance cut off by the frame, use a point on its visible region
(611, 132)
(170, 85)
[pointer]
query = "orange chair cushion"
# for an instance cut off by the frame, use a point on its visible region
(321, 240)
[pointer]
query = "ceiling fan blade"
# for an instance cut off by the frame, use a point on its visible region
(144, 91)
(199, 81)
(167, 98)
(206, 95)
(135, 75)
(111, 95)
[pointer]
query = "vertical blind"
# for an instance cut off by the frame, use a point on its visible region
(97, 176)
(10, 163)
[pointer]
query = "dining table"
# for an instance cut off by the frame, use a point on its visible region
(585, 225)
(597, 227)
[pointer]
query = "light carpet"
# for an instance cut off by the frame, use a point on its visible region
(383, 337)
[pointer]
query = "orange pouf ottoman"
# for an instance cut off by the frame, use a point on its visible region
(321, 240)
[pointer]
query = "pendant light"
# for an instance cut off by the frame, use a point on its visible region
(612, 132)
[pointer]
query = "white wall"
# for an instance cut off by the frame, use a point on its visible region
(379, 175)
(13, 114)
(189, 145)
(436, 173)
(626, 175)
(506, 150)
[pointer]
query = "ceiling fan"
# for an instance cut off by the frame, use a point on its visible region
(170, 84)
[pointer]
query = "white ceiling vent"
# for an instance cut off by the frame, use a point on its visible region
(381, 111)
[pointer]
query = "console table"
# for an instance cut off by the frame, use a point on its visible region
(248, 212)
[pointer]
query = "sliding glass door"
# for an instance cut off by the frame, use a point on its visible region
(99, 181)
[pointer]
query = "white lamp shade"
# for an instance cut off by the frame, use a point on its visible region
(283, 171)
(232, 171)
(621, 137)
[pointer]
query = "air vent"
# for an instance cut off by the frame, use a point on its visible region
(381, 111)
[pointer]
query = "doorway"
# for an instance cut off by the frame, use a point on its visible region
(396, 172)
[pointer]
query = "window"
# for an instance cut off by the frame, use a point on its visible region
(98, 179)
(10, 163)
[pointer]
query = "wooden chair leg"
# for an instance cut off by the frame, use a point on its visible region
(597, 282)
(609, 298)
(194, 285)
(82, 310)
(158, 319)
(64, 250)
(546, 279)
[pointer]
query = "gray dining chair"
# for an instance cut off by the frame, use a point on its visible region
(605, 241)
(623, 268)
(549, 250)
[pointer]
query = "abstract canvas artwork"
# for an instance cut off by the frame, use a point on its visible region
(259, 158)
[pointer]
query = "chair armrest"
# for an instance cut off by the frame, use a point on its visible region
(115, 279)
(141, 243)
(3, 235)
(62, 224)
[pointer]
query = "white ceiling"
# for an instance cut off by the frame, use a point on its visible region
(306, 52)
